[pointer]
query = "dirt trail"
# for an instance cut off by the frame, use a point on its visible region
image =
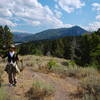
(63, 87)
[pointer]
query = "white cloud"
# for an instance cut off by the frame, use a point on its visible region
(4, 21)
(70, 5)
(96, 6)
(93, 26)
(58, 13)
(56, 6)
(5, 12)
(35, 23)
(98, 17)
(21, 31)
(31, 11)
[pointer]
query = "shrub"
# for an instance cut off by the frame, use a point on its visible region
(51, 64)
(91, 88)
(72, 71)
(40, 90)
(72, 63)
(37, 52)
(94, 65)
(79, 72)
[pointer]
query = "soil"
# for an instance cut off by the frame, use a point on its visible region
(63, 87)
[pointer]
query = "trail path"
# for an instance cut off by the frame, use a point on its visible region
(63, 87)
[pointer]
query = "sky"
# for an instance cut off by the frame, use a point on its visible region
(33, 16)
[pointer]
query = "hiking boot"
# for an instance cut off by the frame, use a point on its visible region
(14, 85)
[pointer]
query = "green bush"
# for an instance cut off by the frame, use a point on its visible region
(37, 52)
(95, 65)
(51, 64)
(72, 63)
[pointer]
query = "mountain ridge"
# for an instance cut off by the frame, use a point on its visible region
(50, 34)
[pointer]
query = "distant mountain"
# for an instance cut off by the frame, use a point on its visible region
(19, 36)
(50, 34)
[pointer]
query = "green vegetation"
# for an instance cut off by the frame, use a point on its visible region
(40, 90)
(89, 51)
(83, 50)
(37, 52)
(3, 95)
(6, 38)
(51, 64)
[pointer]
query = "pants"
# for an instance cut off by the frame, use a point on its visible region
(11, 71)
(12, 78)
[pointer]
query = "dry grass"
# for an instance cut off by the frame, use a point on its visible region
(2, 65)
(3, 95)
(89, 85)
(84, 75)
(89, 88)
(40, 90)
(63, 67)
(79, 72)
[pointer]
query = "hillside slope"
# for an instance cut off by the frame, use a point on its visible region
(19, 36)
(52, 34)
(25, 81)
(62, 87)
(66, 79)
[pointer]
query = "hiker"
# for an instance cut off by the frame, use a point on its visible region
(11, 67)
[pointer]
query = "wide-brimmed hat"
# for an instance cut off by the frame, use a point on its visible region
(12, 46)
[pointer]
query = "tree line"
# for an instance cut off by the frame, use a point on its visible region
(6, 38)
(84, 49)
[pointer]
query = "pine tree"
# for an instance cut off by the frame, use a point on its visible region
(6, 38)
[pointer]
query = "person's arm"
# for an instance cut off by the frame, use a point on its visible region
(17, 58)
(0, 56)
(3, 56)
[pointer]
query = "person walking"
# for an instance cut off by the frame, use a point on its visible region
(11, 67)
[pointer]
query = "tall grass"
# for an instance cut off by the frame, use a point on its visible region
(1, 72)
(3, 94)
(40, 90)
(90, 88)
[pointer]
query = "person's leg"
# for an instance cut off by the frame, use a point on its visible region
(10, 78)
(14, 79)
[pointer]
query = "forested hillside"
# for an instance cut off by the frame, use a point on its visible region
(82, 49)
